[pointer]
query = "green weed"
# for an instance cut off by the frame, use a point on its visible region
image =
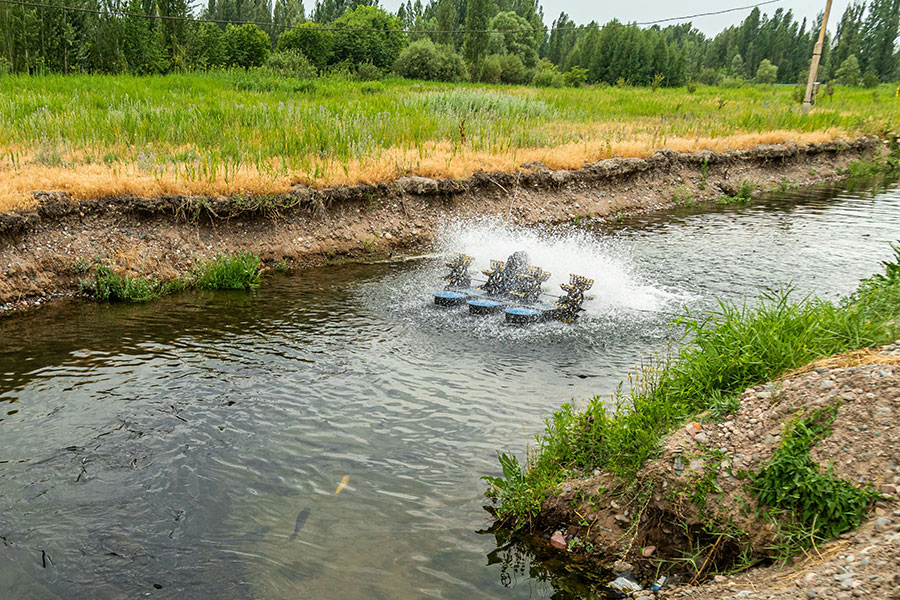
(816, 504)
(241, 271)
(107, 286)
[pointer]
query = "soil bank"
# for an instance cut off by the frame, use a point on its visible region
(45, 252)
(696, 494)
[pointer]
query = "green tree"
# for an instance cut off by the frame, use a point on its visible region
(767, 72)
(246, 45)
(516, 38)
(368, 34)
(476, 39)
(737, 66)
(310, 40)
(207, 46)
(849, 72)
(879, 36)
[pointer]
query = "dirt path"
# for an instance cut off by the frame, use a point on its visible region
(44, 253)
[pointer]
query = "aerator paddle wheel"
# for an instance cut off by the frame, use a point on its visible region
(512, 286)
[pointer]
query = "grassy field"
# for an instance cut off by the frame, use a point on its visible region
(233, 132)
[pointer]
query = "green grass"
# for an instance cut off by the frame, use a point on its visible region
(725, 351)
(205, 128)
(242, 271)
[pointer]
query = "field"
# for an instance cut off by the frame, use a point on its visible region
(236, 132)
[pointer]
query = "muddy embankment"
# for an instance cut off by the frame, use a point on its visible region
(697, 520)
(45, 252)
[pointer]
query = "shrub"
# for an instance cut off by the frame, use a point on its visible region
(246, 46)
(547, 78)
(870, 80)
(691, 87)
(848, 73)
(371, 87)
(290, 63)
(512, 70)
(575, 77)
(368, 72)
(423, 59)
(767, 72)
(491, 69)
(107, 286)
(207, 46)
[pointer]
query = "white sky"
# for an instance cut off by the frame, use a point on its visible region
(585, 11)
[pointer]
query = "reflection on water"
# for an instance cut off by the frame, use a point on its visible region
(173, 449)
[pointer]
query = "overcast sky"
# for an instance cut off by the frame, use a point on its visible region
(585, 11)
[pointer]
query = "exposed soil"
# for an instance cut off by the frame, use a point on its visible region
(696, 492)
(44, 252)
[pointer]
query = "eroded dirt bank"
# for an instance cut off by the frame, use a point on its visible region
(44, 253)
(698, 521)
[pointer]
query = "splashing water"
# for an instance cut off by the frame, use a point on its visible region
(562, 251)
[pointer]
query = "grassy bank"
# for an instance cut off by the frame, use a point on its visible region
(225, 133)
(242, 271)
(724, 352)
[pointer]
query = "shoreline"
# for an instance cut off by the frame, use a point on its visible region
(45, 252)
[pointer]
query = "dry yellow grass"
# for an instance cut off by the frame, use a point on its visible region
(433, 159)
(854, 358)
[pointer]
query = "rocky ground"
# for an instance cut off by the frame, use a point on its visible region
(708, 455)
(44, 253)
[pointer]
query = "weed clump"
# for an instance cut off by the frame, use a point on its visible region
(819, 502)
(107, 286)
(241, 271)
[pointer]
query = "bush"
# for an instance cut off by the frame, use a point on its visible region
(767, 72)
(731, 82)
(107, 286)
(309, 40)
(290, 63)
(709, 76)
(547, 78)
(691, 87)
(207, 46)
(491, 69)
(848, 73)
(371, 87)
(368, 72)
(870, 80)
(512, 70)
(423, 59)
(246, 46)
(575, 77)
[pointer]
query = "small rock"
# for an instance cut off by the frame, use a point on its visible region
(702, 437)
(763, 395)
(826, 384)
(719, 579)
(558, 540)
(811, 593)
(881, 523)
(648, 551)
(693, 428)
(621, 566)
(743, 594)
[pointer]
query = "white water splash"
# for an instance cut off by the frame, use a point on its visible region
(618, 284)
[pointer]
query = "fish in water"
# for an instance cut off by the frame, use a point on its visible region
(301, 521)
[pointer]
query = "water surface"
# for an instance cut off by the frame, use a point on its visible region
(167, 449)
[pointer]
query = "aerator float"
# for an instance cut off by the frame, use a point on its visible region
(513, 287)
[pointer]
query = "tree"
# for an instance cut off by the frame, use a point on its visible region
(446, 17)
(737, 66)
(310, 40)
(849, 72)
(516, 38)
(246, 45)
(207, 48)
(367, 34)
(767, 72)
(423, 59)
(476, 39)
(287, 13)
(879, 35)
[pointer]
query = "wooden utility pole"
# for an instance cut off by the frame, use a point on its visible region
(814, 65)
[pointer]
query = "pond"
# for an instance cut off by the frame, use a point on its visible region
(325, 436)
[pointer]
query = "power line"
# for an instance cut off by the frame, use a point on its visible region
(124, 13)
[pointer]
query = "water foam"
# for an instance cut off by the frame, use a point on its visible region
(618, 283)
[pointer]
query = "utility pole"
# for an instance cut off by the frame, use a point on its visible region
(814, 65)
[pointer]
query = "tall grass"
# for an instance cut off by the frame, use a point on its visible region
(726, 351)
(231, 131)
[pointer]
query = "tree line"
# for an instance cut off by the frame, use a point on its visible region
(452, 40)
